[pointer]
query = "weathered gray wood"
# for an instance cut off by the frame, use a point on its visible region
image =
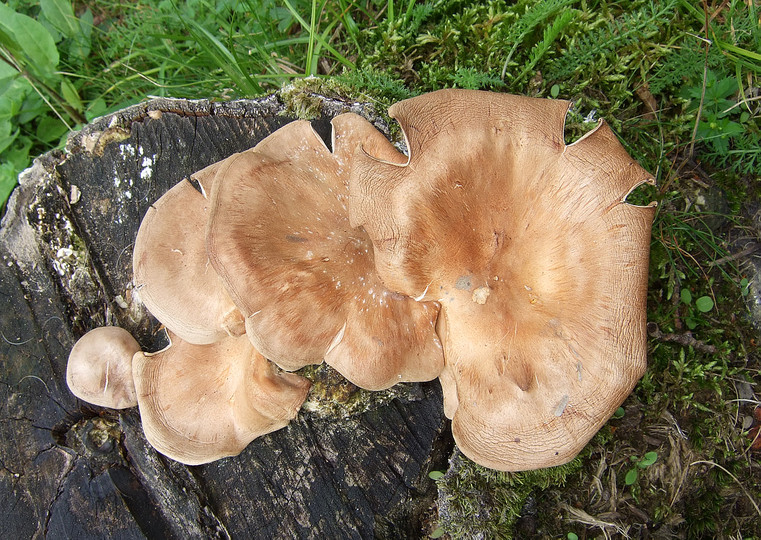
(71, 470)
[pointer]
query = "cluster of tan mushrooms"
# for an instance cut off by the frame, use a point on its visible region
(495, 257)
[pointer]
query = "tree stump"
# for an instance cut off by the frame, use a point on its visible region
(71, 470)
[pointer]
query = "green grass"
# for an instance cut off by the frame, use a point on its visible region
(677, 80)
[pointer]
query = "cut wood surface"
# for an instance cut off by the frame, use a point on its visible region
(72, 470)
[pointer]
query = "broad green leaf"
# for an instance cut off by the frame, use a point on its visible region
(7, 71)
(30, 41)
(32, 107)
(61, 15)
(723, 88)
(648, 459)
(70, 94)
(5, 86)
(18, 154)
(7, 34)
(686, 296)
(704, 304)
(8, 179)
(631, 477)
(7, 74)
(50, 128)
(731, 129)
(435, 475)
(13, 98)
(7, 134)
(82, 42)
(97, 107)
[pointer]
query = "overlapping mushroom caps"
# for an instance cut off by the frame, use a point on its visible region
(280, 239)
(538, 262)
(210, 393)
(526, 243)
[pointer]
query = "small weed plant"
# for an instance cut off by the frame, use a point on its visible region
(639, 463)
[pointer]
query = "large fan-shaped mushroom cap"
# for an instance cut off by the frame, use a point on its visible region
(172, 272)
(279, 237)
(200, 403)
(538, 262)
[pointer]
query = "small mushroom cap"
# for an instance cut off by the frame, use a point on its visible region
(99, 370)
(279, 237)
(538, 262)
(172, 272)
(200, 403)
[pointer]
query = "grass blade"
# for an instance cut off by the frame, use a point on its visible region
(224, 59)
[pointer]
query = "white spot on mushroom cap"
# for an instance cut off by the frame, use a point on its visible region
(561, 406)
(422, 295)
(481, 294)
(336, 340)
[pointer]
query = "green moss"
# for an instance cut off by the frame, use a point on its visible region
(304, 98)
(378, 86)
(476, 502)
(331, 395)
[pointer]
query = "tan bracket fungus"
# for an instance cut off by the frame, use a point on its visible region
(99, 370)
(514, 251)
(172, 273)
(539, 265)
(200, 403)
(280, 239)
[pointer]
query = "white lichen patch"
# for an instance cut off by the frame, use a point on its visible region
(147, 167)
(74, 195)
(66, 257)
(124, 190)
(560, 407)
(127, 151)
(69, 259)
